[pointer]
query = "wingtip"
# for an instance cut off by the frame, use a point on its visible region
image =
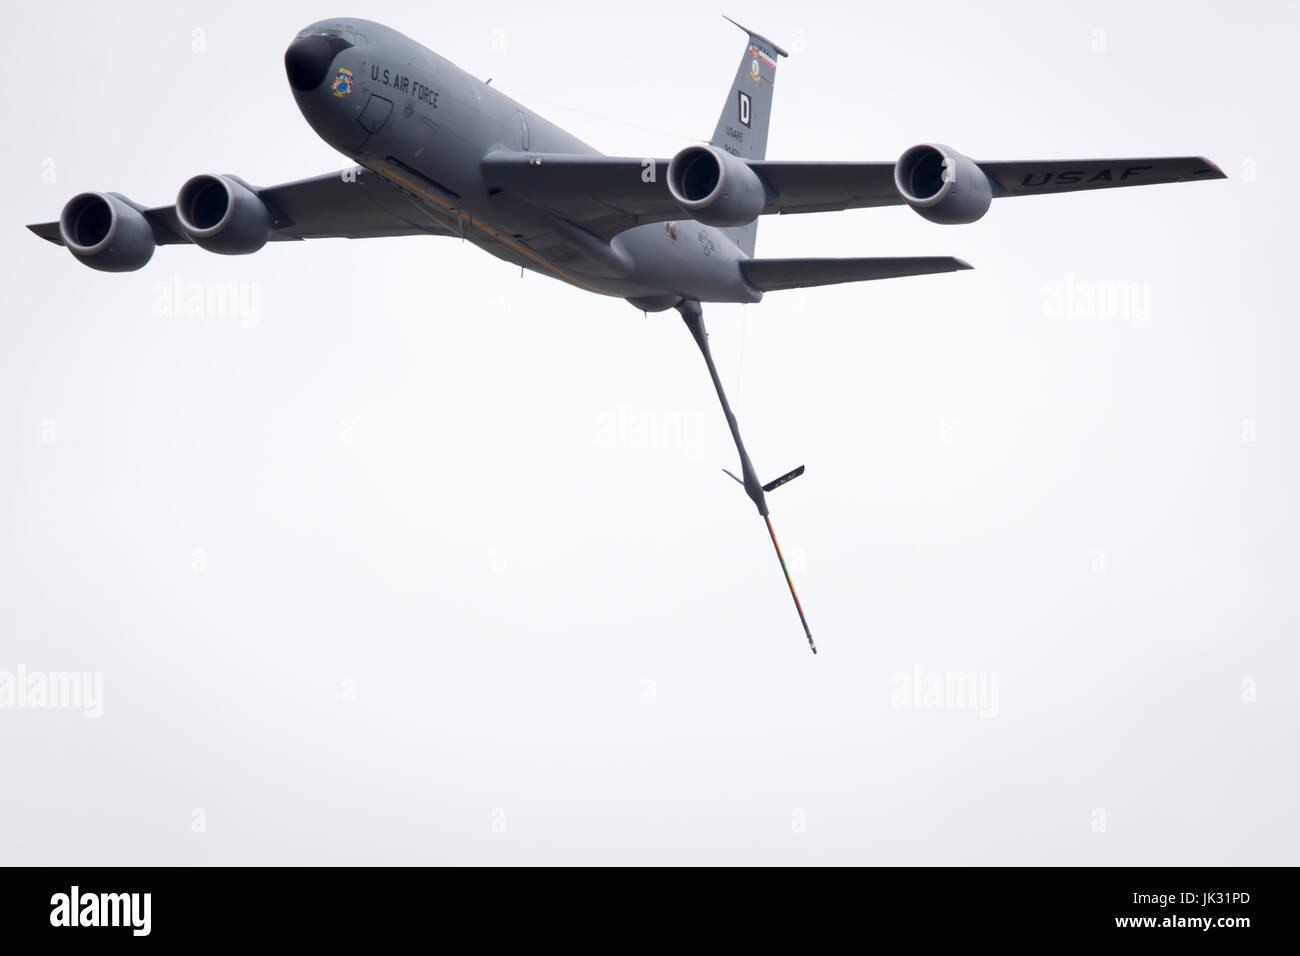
(1215, 171)
(49, 231)
(962, 264)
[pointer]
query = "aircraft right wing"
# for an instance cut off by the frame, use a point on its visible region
(361, 206)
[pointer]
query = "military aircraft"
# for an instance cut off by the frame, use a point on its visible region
(441, 152)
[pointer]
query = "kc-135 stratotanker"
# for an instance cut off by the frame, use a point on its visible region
(440, 152)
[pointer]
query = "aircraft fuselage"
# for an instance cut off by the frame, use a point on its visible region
(425, 125)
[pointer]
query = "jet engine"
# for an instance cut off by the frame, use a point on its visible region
(714, 187)
(942, 185)
(222, 214)
(106, 232)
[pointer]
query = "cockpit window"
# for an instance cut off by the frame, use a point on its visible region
(356, 39)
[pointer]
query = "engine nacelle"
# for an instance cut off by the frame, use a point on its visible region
(942, 185)
(714, 187)
(223, 215)
(106, 232)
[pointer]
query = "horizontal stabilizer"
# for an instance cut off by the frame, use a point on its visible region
(778, 482)
(769, 275)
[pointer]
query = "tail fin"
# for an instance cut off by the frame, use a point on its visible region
(742, 127)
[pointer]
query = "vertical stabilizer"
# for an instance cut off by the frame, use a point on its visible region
(742, 127)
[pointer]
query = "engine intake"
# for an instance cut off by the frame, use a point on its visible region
(106, 232)
(942, 185)
(222, 214)
(714, 187)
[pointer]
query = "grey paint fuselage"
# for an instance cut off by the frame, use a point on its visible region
(432, 141)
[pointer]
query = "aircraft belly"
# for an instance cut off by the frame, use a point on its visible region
(689, 259)
(701, 263)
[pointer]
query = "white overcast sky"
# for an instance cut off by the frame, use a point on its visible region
(421, 562)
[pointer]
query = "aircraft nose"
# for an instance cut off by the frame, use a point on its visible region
(308, 59)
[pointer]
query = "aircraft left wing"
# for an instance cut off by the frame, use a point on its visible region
(820, 187)
(607, 194)
(358, 205)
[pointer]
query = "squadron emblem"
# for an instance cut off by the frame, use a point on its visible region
(342, 83)
(759, 58)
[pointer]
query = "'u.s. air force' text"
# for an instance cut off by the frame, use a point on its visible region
(404, 84)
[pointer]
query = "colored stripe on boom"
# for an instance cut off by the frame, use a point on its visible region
(798, 607)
